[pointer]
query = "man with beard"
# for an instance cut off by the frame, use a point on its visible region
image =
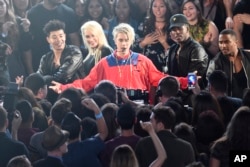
(39, 15)
(233, 61)
(186, 55)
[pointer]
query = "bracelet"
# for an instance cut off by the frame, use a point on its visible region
(99, 115)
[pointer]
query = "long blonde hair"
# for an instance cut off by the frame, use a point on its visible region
(98, 31)
(124, 156)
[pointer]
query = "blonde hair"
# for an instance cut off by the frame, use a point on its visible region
(97, 30)
(124, 156)
(125, 29)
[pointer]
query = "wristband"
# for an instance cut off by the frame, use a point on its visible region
(98, 116)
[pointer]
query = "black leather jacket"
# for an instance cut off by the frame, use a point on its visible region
(221, 62)
(69, 70)
(192, 57)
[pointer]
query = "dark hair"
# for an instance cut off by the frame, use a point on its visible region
(143, 114)
(228, 32)
(109, 112)
(203, 102)
(89, 128)
(150, 22)
(209, 127)
(72, 124)
(130, 4)
(198, 8)
(180, 113)
(53, 25)
(169, 86)
(25, 109)
(165, 115)
(34, 82)
(60, 109)
(218, 80)
(104, 10)
(19, 161)
(126, 116)
(75, 97)
(238, 129)
(108, 89)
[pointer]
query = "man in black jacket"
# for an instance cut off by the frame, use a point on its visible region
(233, 61)
(186, 55)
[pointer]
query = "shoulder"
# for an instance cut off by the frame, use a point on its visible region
(72, 48)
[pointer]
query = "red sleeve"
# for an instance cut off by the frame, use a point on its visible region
(89, 82)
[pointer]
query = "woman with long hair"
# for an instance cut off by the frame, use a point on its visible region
(14, 32)
(96, 44)
(236, 137)
(202, 30)
(154, 35)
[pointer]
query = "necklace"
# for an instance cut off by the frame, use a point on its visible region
(125, 76)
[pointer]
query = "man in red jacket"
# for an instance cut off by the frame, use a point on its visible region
(125, 68)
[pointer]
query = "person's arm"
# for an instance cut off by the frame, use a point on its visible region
(101, 124)
(157, 143)
(238, 28)
(27, 61)
(212, 38)
(15, 124)
(228, 4)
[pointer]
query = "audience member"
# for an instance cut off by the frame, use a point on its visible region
(241, 17)
(202, 30)
(84, 153)
(75, 96)
(233, 61)
(40, 118)
(109, 112)
(209, 128)
(57, 113)
(97, 10)
(186, 55)
(205, 101)
(122, 14)
(126, 118)
(154, 35)
(140, 9)
(96, 45)
(142, 114)
(123, 157)
(37, 84)
(9, 147)
(218, 11)
(19, 161)
(108, 89)
(236, 138)
(21, 7)
(15, 33)
(63, 63)
(39, 15)
(25, 130)
(79, 6)
(218, 85)
(168, 87)
(55, 142)
(179, 152)
(89, 128)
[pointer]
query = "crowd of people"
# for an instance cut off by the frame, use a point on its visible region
(104, 83)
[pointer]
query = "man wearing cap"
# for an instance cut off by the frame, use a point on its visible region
(55, 142)
(186, 55)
